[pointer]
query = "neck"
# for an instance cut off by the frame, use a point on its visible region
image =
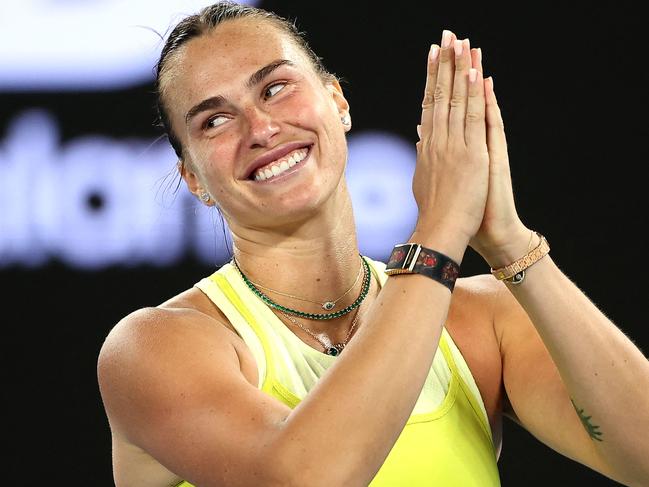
(316, 259)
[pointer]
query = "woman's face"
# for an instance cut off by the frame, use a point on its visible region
(243, 95)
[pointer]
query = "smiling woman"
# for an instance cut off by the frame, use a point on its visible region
(302, 362)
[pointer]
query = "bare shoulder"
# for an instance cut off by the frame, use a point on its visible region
(177, 397)
(155, 346)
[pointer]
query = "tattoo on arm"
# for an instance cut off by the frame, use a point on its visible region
(585, 420)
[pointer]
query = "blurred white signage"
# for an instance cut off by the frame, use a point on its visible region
(96, 201)
(76, 45)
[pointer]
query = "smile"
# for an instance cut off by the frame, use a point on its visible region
(281, 166)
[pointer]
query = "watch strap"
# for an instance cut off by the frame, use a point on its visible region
(413, 258)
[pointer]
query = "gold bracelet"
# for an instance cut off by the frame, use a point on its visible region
(515, 272)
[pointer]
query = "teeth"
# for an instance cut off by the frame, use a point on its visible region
(280, 167)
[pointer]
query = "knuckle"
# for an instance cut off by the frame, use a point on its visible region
(429, 99)
(439, 94)
(457, 101)
(474, 117)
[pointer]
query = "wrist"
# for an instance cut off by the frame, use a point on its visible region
(520, 243)
(452, 244)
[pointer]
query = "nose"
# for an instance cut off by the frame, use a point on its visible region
(261, 127)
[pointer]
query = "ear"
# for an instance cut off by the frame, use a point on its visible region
(342, 105)
(193, 181)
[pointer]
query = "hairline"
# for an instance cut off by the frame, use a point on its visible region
(168, 70)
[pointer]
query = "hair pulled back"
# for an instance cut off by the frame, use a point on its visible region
(203, 22)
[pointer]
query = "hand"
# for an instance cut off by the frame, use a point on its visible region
(451, 178)
(502, 237)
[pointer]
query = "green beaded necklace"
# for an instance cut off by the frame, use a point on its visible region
(312, 316)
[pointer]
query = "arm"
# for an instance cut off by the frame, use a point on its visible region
(558, 348)
(550, 321)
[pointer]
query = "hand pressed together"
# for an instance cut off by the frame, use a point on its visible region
(462, 181)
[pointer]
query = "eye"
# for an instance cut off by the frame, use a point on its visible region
(214, 121)
(273, 89)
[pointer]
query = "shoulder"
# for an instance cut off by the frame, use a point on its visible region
(150, 331)
(189, 313)
(157, 347)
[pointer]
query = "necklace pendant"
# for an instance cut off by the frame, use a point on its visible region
(328, 305)
(333, 351)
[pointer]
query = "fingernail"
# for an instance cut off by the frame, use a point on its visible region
(419, 131)
(473, 74)
(480, 54)
(458, 47)
(434, 51)
(446, 38)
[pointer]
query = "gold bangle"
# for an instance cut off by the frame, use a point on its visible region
(518, 266)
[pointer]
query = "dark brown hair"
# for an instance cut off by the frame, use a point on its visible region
(204, 21)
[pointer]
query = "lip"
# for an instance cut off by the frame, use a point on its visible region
(274, 154)
(286, 173)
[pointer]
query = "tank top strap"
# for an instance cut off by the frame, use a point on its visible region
(470, 395)
(249, 316)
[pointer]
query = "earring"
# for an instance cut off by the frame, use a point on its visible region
(345, 119)
(205, 196)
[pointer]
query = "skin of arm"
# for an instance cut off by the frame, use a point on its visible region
(573, 378)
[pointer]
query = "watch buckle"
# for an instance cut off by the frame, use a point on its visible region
(411, 257)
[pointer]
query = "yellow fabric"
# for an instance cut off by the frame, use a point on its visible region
(447, 439)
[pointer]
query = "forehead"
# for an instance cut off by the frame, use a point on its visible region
(222, 59)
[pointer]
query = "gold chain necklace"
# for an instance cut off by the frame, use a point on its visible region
(327, 305)
(324, 340)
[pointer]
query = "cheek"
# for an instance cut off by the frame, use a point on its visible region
(310, 111)
(219, 154)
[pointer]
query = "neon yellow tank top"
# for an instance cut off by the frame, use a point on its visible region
(447, 440)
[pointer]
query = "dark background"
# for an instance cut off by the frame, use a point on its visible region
(572, 87)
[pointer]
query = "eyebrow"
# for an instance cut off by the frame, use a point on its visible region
(255, 78)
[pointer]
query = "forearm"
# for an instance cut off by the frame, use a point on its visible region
(605, 374)
(354, 415)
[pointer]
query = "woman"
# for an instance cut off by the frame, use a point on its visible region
(302, 363)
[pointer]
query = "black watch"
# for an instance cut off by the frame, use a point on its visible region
(410, 258)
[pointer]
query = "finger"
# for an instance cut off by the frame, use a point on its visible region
(496, 140)
(475, 128)
(458, 114)
(444, 87)
(476, 59)
(428, 103)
